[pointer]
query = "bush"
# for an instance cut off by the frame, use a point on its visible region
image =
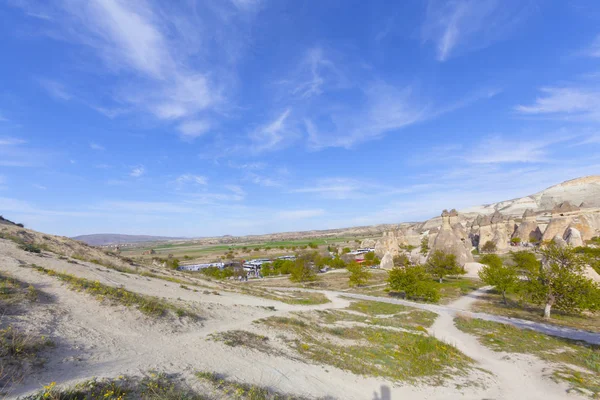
(359, 274)
(489, 247)
(415, 282)
(441, 264)
(30, 248)
(302, 272)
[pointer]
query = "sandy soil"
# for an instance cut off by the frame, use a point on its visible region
(95, 339)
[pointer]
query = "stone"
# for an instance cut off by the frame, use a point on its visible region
(528, 230)
(573, 237)
(449, 240)
(387, 261)
(559, 241)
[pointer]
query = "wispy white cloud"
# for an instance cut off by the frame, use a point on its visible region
(3, 118)
(236, 189)
(138, 171)
(594, 49)
(55, 89)
(190, 130)
(162, 54)
(335, 188)
(11, 141)
(262, 180)
(300, 214)
(497, 150)
(96, 146)
(567, 102)
(272, 135)
(14, 154)
(386, 108)
(190, 178)
(39, 187)
(451, 25)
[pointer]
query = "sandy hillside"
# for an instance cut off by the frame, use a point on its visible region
(97, 339)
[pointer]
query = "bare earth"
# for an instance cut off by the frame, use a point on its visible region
(101, 340)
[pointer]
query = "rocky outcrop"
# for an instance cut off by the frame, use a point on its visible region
(573, 237)
(389, 243)
(368, 243)
(496, 229)
(559, 241)
(564, 208)
(528, 230)
(387, 261)
(450, 240)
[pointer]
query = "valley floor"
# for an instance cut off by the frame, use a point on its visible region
(98, 339)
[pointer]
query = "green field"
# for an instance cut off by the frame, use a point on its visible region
(194, 250)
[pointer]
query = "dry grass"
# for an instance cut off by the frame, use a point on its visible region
(20, 351)
(153, 386)
(575, 362)
(237, 390)
(393, 354)
(290, 297)
(148, 305)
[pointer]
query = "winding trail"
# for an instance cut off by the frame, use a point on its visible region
(461, 307)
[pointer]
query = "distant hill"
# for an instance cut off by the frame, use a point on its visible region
(576, 191)
(103, 239)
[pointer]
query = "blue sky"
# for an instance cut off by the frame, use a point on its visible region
(201, 118)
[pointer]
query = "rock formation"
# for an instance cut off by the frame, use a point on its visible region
(450, 239)
(559, 241)
(368, 243)
(573, 237)
(496, 229)
(561, 219)
(528, 230)
(387, 261)
(389, 243)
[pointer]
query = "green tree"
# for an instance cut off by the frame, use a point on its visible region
(401, 260)
(441, 264)
(424, 246)
(560, 282)
(515, 240)
(359, 274)
(525, 262)
(504, 278)
(488, 247)
(302, 271)
(337, 263)
(415, 282)
(346, 250)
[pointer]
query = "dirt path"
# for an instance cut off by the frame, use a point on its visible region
(461, 306)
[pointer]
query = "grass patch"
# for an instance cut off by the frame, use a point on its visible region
(451, 289)
(19, 353)
(154, 386)
(14, 293)
(491, 303)
(577, 362)
(242, 390)
(383, 314)
(297, 297)
(399, 356)
(247, 339)
(182, 282)
(148, 305)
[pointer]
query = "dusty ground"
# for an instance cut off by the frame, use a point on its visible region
(96, 339)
